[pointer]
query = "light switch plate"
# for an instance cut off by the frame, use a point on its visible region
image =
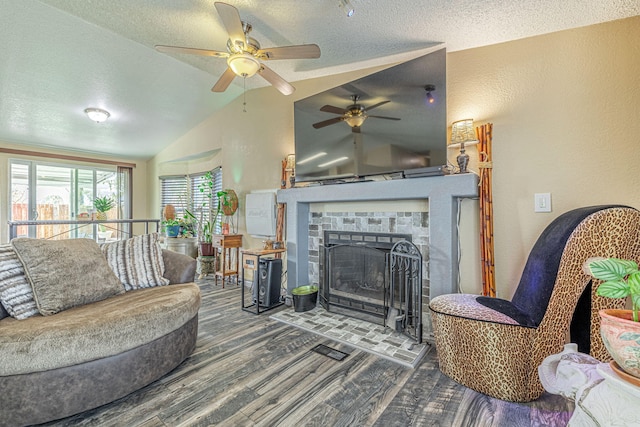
(542, 202)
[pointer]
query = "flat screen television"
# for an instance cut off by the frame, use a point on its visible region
(402, 130)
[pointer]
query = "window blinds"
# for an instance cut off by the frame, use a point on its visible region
(182, 192)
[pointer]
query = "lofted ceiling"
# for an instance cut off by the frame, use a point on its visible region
(59, 57)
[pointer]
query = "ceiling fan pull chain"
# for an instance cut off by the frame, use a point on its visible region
(244, 93)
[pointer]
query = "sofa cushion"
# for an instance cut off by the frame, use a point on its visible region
(16, 295)
(94, 331)
(66, 273)
(137, 261)
(178, 268)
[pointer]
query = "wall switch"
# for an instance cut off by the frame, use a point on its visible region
(542, 202)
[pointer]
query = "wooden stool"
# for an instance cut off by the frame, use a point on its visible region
(206, 265)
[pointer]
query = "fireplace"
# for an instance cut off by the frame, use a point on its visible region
(304, 225)
(356, 279)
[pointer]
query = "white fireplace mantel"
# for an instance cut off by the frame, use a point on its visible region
(441, 191)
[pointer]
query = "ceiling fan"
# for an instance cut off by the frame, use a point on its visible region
(354, 115)
(244, 54)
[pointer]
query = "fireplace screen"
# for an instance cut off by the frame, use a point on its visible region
(356, 273)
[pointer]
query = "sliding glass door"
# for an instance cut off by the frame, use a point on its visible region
(45, 191)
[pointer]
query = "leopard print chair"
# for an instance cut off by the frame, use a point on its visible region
(495, 346)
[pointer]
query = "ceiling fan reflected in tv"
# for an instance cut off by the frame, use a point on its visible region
(404, 133)
(354, 115)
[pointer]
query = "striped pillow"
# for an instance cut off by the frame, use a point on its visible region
(137, 261)
(16, 294)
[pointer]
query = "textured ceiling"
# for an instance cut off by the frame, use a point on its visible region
(61, 56)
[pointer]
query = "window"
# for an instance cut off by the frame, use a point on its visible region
(50, 191)
(183, 193)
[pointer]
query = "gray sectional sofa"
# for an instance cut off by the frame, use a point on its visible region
(82, 357)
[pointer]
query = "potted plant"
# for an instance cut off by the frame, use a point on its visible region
(620, 329)
(188, 225)
(103, 205)
(171, 227)
(206, 227)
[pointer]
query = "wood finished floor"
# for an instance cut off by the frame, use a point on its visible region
(248, 370)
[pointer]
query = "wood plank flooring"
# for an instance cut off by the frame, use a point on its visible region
(248, 370)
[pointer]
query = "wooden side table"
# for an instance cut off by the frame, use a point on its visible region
(225, 244)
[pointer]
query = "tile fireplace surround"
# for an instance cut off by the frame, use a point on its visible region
(442, 193)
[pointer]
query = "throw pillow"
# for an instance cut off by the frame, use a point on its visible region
(66, 273)
(16, 295)
(137, 261)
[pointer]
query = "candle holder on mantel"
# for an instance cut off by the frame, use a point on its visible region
(462, 133)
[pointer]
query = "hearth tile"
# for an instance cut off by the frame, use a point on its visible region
(406, 353)
(360, 334)
(403, 357)
(392, 342)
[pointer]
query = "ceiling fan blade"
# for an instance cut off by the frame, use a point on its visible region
(375, 105)
(191, 51)
(232, 22)
(224, 81)
(276, 81)
(334, 110)
(386, 118)
(302, 51)
(328, 122)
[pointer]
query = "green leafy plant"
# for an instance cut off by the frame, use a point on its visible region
(621, 279)
(104, 204)
(188, 225)
(170, 222)
(206, 228)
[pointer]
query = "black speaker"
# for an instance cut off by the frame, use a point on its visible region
(266, 282)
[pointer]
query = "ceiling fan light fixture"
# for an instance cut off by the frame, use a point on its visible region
(355, 121)
(98, 115)
(243, 64)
